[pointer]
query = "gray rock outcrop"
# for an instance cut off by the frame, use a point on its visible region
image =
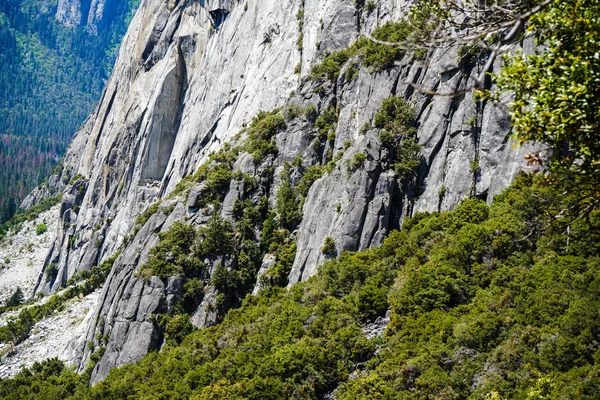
(88, 13)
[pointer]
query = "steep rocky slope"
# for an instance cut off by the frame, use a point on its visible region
(190, 77)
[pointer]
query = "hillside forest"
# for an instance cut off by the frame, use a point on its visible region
(51, 77)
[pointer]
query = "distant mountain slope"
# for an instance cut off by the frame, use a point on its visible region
(51, 76)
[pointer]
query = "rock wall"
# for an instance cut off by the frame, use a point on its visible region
(189, 77)
(91, 14)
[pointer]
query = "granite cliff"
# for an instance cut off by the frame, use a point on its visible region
(189, 79)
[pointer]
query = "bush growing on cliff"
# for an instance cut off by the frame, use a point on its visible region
(173, 254)
(374, 56)
(261, 133)
(329, 249)
(40, 229)
(396, 121)
(178, 328)
(16, 299)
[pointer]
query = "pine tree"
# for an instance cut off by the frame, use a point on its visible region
(16, 299)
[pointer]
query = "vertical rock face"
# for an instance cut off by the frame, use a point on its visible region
(88, 13)
(69, 12)
(190, 75)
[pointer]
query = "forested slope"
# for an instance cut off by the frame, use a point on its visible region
(486, 302)
(51, 77)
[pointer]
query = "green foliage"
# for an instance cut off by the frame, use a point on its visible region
(357, 161)
(216, 238)
(287, 205)
(40, 229)
(49, 380)
(329, 249)
(261, 133)
(395, 115)
(326, 122)
(408, 158)
(193, 293)
(51, 272)
(556, 94)
(486, 303)
(351, 73)
(76, 178)
(178, 328)
(311, 174)
(370, 6)
(16, 299)
(376, 57)
(396, 121)
(173, 254)
(217, 172)
(468, 56)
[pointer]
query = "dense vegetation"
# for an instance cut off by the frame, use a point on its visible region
(24, 163)
(51, 76)
(485, 301)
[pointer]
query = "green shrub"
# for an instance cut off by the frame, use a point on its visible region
(370, 6)
(408, 159)
(261, 132)
(76, 178)
(173, 254)
(178, 328)
(141, 220)
(16, 299)
(216, 238)
(287, 206)
(311, 174)
(326, 122)
(479, 294)
(374, 56)
(396, 121)
(51, 272)
(395, 115)
(468, 56)
(40, 229)
(358, 161)
(329, 249)
(351, 73)
(193, 293)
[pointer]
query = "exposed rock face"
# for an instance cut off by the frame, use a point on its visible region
(69, 12)
(189, 76)
(91, 14)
